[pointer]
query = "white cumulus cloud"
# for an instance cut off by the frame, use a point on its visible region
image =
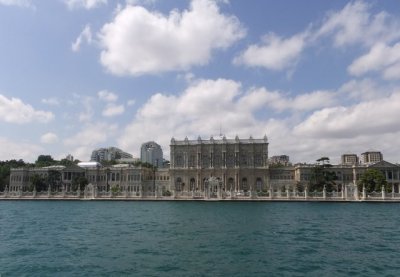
(86, 4)
(378, 116)
(113, 110)
(49, 138)
(274, 53)
(107, 96)
(15, 111)
(280, 102)
(382, 58)
(202, 109)
(19, 3)
(12, 149)
(139, 41)
(355, 23)
(84, 36)
(85, 141)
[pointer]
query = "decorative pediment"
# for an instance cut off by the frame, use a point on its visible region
(382, 164)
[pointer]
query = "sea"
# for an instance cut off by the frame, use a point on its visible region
(188, 238)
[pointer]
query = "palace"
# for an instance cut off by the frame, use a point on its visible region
(218, 168)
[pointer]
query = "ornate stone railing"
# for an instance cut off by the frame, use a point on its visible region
(269, 195)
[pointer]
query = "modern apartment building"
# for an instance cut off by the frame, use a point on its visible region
(109, 154)
(151, 153)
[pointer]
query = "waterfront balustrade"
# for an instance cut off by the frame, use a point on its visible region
(92, 192)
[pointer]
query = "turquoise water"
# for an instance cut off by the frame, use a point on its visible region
(57, 238)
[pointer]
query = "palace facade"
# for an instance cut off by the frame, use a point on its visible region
(206, 168)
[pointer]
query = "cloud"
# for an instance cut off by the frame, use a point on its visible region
(382, 58)
(113, 110)
(49, 138)
(138, 41)
(15, 111)
(274, 53)
(131, 102)
(202, 109)
(107, 96)
(51, 101)
(83, 143)
(308, 126)
(365, 89)
(377, 116)
(18, 3)
(259, 97)
(86, 4)
(87, 113)
(14, 149)
(84, 36)
(355, 23)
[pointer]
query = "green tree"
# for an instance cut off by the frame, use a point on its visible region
(322, 177)
(66, 162)
(54, 179)
(45, 160)
(38, 182)
(373, 180)
(79, 182)
(5, 169)
(115, 190)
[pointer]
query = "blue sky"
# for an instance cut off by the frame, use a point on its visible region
(319, 78)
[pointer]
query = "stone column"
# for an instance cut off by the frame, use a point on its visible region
(324, 193)
(364, 193)
(287, 193)
(392, 190)
(383, 192)
(270, 192)
(306, 192)
(342, 191)
(49, 191)
(356, 193)
(34, 192)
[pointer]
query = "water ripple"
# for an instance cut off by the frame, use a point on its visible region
(56, 238)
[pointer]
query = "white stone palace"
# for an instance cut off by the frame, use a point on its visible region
(215, 168)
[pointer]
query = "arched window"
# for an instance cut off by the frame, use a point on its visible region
(192, 184)
(244, 185)
(259, 184)
(178, 184)
(231, 184)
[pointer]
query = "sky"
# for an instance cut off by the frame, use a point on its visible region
(319, 78)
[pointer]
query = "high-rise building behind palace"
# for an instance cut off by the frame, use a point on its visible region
(371, 157)
(349, 159)
(109, 154)
(151, 153)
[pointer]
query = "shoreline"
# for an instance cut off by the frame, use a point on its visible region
(200, 200)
